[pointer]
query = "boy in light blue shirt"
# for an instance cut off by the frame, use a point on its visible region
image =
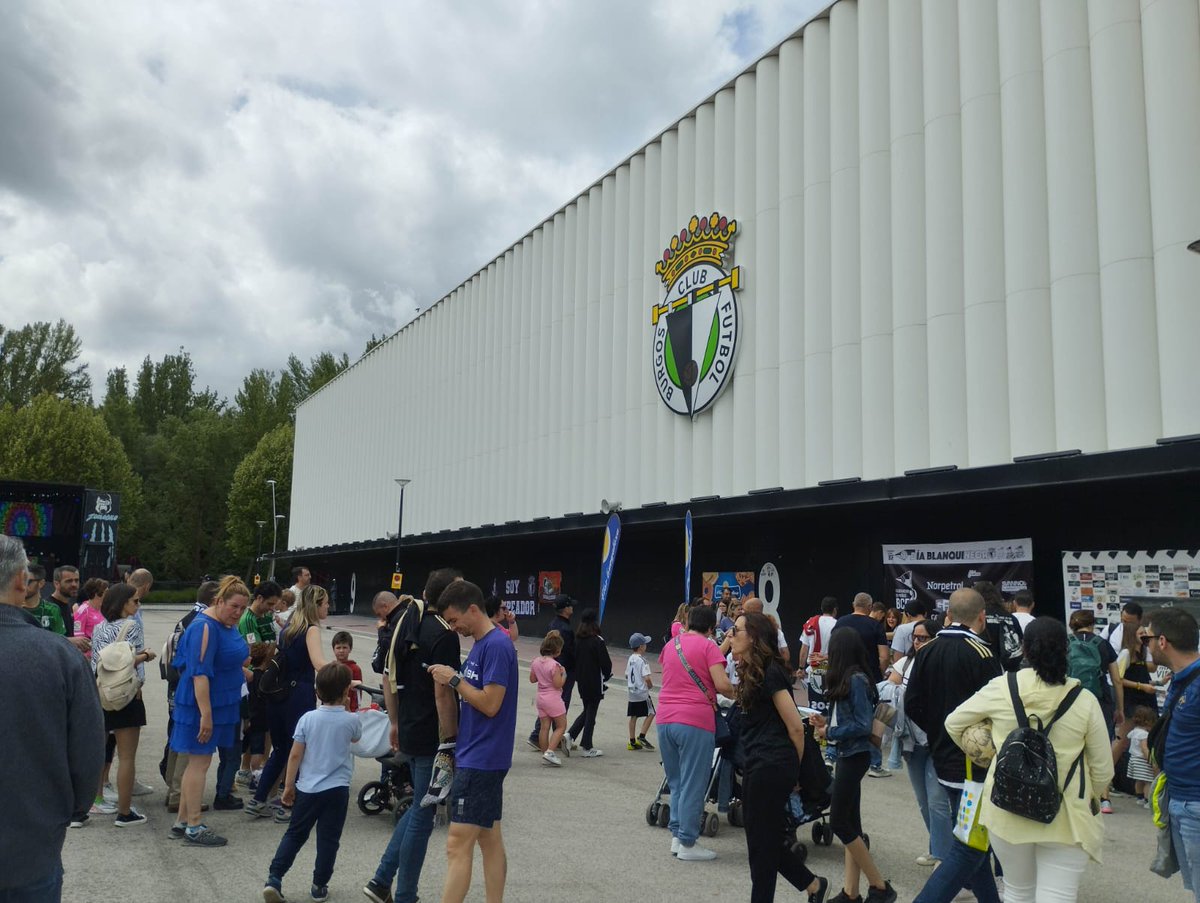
(318, 783)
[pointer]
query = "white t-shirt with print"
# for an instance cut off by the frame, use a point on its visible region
(636, 673)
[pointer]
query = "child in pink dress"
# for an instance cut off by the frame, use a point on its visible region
(550, 676)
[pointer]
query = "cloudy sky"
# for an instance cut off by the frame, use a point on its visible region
(249, 180)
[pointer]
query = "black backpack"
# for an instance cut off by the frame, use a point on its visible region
(275, 685)
(1025, 781)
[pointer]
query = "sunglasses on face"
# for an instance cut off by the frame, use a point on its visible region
(918, 638)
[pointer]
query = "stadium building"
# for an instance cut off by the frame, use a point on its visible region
(906, 303)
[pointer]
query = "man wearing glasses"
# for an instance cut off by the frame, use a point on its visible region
(1172, 634)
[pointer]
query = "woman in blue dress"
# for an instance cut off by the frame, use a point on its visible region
(300, 642)
(211, 657)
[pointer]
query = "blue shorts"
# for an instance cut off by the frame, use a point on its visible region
(477, 797)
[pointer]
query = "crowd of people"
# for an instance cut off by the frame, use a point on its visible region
(250, 682)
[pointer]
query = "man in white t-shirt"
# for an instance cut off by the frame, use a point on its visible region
(1023, 609)
(814, 640)
(916, 611)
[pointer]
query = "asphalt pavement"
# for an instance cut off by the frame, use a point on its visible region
(576, 833)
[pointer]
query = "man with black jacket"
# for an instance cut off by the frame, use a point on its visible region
(947, 671)
(424, 722)
(565, 606)
(387, 609)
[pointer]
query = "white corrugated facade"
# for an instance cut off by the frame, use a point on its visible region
(962, 228)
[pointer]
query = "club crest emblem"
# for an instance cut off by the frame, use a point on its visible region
(696, 325)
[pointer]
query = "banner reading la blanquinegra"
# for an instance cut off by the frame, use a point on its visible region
(932, 571)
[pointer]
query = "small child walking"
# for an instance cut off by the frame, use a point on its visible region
(639, 681)
(318, 783)
(254, 717)
(550, 676)
(1140, 771)
(343, 645)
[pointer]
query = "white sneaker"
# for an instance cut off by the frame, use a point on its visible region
(592, 753)
(695, 853)
(675, 846)
(927, 860)
(140, 789)
(103, 807)
(110, 793)
(551, 758)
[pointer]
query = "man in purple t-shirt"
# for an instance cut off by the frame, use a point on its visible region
(487, 725)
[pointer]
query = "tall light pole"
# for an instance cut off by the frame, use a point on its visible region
(401, 482)
(274, 545)
(275, 526)
(257, 549)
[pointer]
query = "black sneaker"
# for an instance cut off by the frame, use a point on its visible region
(272, 894)
(177, 831)
(319, 893)
(646, 744)
(884, 895)
(228, 803)
(822, 890)
(78, 821)
(377, 893)
(842, 898)
(132, 817)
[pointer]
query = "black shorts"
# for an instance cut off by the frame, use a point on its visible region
(254, 742)
(133, 715)
(637, 709)
(477, 797)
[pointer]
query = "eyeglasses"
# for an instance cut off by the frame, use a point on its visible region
(732, 631)
(917, 638)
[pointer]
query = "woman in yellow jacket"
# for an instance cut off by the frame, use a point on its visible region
(1045, 862)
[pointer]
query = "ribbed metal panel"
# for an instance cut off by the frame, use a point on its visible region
(963, 231)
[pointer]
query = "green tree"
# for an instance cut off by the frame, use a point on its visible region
(299, 381)
(250, 497)
(120, 417)
(168, 388)
(42, 358)
(56, 441)
(189, 466)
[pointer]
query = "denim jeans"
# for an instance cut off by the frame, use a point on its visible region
(230, 758)
(327, 811)
(724, 784)
(893, 762)
(931, 800)
(1185, 832)
(962, 867)
(876, 756)
(687, 759)
(405, 853)
(47, 889)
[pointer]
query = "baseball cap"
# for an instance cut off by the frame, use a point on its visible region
(563, 602)
(638, 639)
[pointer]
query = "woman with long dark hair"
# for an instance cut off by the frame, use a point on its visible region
(300, 642)
(1045, 861)
(852, 696)
(592, 668)
(773, 739)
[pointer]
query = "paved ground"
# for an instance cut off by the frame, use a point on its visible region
(577, 833)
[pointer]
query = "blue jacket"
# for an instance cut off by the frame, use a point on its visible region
(1181, 758)
(855, 718)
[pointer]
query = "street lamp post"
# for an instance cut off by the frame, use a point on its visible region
(275, 535)
(401, 482)
(258, 546)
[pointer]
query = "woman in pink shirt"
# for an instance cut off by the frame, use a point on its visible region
(693, 672)
(87, 612)
(679, 625)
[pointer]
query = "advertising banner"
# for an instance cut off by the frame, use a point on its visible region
(739, 584)
(932, 571)
(1103, 582)
(687, 557)
(101, 515)
(549, 586)
(608, 558)
(520, 593)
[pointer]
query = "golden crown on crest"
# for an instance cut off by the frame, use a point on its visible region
(703, 240)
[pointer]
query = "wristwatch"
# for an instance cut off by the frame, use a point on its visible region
(455, 681)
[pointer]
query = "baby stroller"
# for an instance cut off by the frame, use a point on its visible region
(394, 789)
(659, 810)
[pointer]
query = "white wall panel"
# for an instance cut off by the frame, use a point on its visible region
(963, 232)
